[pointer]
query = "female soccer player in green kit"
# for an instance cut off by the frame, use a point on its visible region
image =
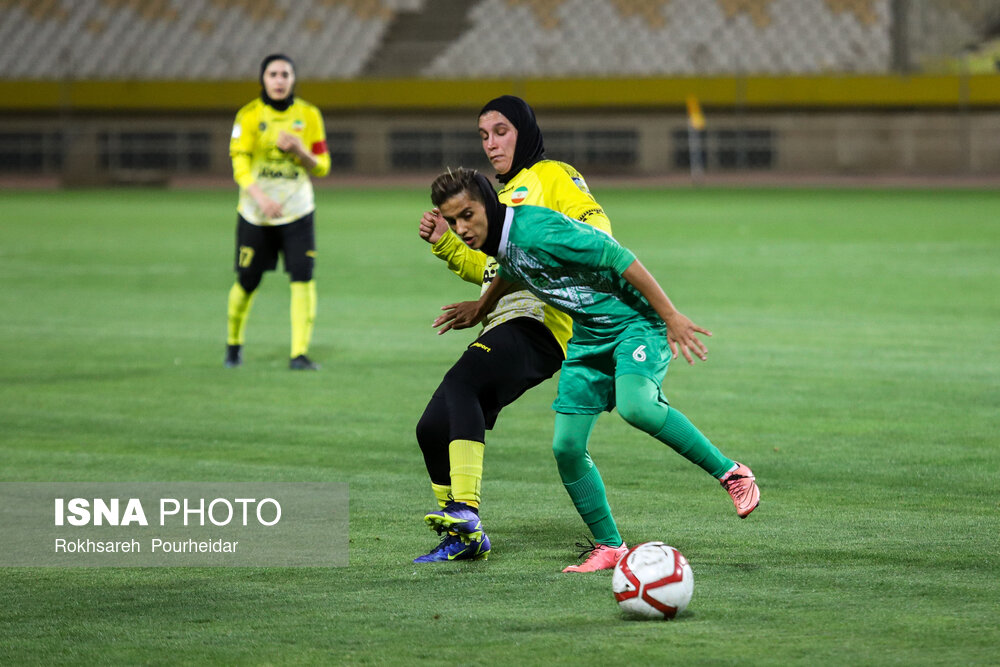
(625, 331)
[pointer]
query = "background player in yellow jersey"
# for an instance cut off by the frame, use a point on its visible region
(278, 142)
(523, 341)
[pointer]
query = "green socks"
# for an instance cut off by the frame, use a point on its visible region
(641, 405)
(591, 502)
(580, 476)
(684, 438)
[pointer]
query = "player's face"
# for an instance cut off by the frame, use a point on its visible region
(499, 140)
(467, 218)
(279, 77)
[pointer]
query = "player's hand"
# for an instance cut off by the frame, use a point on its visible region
(290, 143)
(270, 208)
(459, 316)
(433, 226)
(681, 335)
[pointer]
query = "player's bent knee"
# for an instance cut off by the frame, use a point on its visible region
(301, 275)
(643, 415)
(434, 424)
(568, 450)
(249, 280)
(432, 430)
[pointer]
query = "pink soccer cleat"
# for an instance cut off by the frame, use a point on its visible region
(602, 557)
(740, 484)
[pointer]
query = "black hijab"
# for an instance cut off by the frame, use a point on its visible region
(278, 105)
(495, 212)
(529, 148)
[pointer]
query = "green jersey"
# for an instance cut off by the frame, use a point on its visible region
(574, 267)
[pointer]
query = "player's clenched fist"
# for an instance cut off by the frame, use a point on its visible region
(290, 143)
(433, 226)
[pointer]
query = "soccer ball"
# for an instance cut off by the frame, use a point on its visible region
(653, 580)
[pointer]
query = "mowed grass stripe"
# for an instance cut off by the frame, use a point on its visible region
(854, 366)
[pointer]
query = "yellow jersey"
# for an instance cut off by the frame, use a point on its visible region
(257, 159)
(554, 185)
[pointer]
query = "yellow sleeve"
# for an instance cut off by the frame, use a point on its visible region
(466, 263)
(315, 141)
(567, 197)
(241, 145)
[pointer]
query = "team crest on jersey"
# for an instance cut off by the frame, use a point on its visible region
(298, 126)
(580, 183)
(519, 195)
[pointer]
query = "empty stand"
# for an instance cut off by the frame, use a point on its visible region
(346, 39)
(189, 39)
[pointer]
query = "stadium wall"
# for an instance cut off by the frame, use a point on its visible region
(145, 131)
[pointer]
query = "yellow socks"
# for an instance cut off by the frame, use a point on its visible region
(239, 308)
(442, 494)
(466, 458)
(303, 315)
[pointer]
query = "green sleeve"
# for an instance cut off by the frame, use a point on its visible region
(618, 257)
(565, 242)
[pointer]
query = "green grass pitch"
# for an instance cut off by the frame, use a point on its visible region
(855, 366)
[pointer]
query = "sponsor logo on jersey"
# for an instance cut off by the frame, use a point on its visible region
(298, 126)
(580, 183)
(519, 195)
(274, 172)
(490, 271)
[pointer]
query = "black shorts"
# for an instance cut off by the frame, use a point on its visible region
(508, 360)
(257, 247)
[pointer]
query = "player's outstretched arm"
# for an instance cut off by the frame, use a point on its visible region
(680, 330)
(467, 314)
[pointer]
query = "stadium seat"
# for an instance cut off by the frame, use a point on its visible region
(209, 39)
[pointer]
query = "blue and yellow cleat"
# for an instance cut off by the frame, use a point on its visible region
(457, 518)
(452, 548)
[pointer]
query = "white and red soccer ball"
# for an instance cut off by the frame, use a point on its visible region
(653, 580)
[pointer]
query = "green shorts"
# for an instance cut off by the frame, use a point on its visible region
(587, 379)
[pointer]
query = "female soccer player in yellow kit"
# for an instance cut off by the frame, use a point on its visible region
(523, 341)
(278, 141)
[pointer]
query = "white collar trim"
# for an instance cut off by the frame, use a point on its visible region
(508, 218)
